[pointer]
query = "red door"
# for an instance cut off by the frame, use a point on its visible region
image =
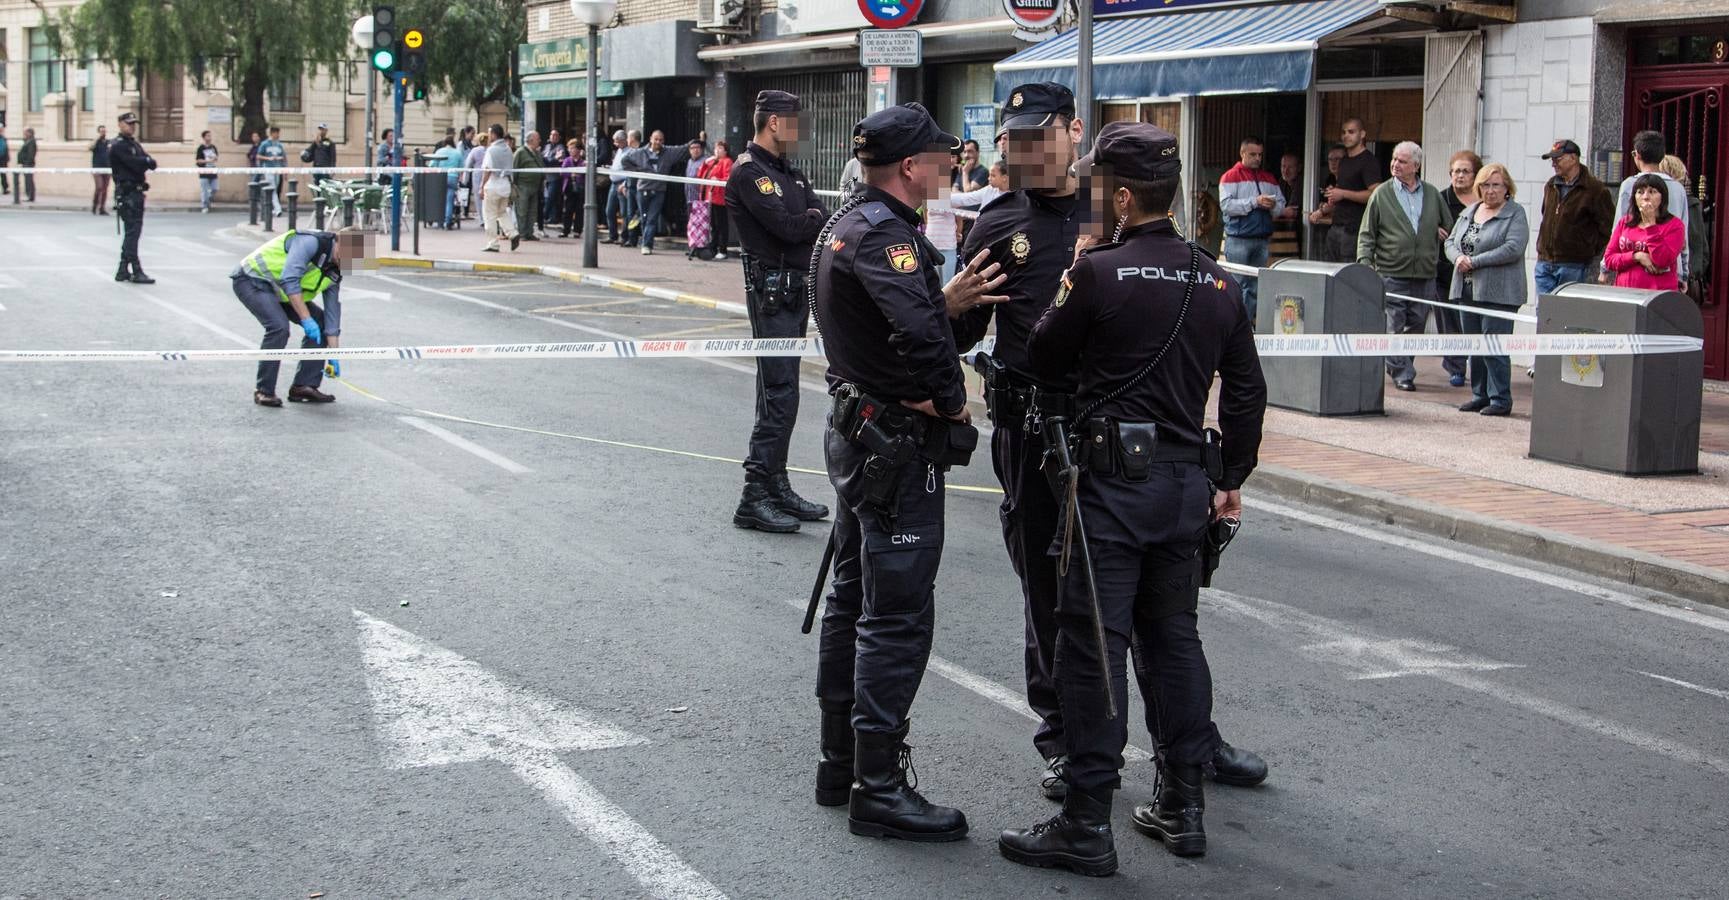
(1690, 106)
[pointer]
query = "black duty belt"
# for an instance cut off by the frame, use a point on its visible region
(1128, 449)
(887, 428)
(1008, 399)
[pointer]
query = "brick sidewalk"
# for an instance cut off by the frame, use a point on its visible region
(1423, 465)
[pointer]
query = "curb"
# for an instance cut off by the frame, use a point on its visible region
(586, 278)
(1627, 566)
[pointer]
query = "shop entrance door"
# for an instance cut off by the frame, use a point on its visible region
(1690, 106)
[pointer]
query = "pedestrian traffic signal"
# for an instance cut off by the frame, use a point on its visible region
(384, 38)
(419, 88)
(414, 51)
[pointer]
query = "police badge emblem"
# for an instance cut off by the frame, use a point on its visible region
(765, 185)
(1290, 314)
(1063, 291)
(1016, 101)
(903, 259)
(1020, 247)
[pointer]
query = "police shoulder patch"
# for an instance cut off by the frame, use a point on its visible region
(765, 185)
(1063, 291)
(903, 258)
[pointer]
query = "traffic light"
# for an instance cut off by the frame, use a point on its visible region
(414, 50)
(419, 88)
(384, 38)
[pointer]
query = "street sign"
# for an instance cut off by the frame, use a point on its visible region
(413, 38)
(896, 47)
(1036, 20)
(980, 121)
(891, 13)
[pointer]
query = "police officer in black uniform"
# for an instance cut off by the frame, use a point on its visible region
(899, 420)
(777, 215)
(1031, 232)
(1153, 481)
(130, 163)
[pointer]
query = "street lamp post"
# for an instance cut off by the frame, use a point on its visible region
(362, 35)
(592, 13)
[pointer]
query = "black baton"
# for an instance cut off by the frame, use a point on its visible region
(816, 589)
(1065, 479)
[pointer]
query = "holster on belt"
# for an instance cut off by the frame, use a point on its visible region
(773, 289)
(896, 437)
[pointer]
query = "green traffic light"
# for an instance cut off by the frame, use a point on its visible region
(383, 60)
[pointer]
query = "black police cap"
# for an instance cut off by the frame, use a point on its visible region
(1036, 105)
(1135, 150)
(776, 102)
(128, 118)
(898, 132)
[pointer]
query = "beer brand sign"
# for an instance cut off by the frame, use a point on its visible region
(567, 55)
(1036, 20)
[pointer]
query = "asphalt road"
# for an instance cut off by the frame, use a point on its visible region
(368, 651)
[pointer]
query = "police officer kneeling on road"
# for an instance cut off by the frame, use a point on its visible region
(899, 421)
(281, 282)
(777, 216)
(1147, 320)
(130, 163)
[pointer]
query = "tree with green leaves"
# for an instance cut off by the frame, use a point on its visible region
(470, 45)
(256, 43)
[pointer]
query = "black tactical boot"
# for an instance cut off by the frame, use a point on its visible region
(1053, 785)
(1239, 768)
(1077, 839)
(1175, 818)
(789, 502)
(125, 273)
(834, 772)
(138, 276)
(885, 804)
(756, 509)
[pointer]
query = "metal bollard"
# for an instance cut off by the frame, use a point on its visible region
(347, 212)
(253, 194)
(293, 203)
(318, 212)
(268, 213)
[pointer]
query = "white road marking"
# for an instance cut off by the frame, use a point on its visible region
(349, 292)
(807, 384)
(1475, 558)
(1014, 701)
(433, 707)
(1714, 692)
(33, 245)
(200, 320)
(1321, 633)
(189, 247)
(503, 462)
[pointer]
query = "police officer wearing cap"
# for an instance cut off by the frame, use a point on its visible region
(130, 163)
(899, 420)
(1145, 321)
(777, 216)
(1031, 233)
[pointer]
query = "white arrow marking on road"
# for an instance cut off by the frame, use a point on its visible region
(1711, 692)
(435, 708)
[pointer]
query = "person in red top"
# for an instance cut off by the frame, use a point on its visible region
(1645, 246)
(718, 167)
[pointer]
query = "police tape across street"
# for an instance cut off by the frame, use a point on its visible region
(1328, 345)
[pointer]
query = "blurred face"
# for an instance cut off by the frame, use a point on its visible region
(657, 140)
(356, 251)
(999, 179)
(788, 131)
(533, 140)
(1352, 134)
(1097, 207)
(1290, 168)
(1493, 190)
(1333, 157)
(1648, 199)
(970, 154)
(1404, 166)
(1463, 174)
(721, 151)
(1250, 155)
(1039, 158)
(931, 174)
(1566, 165)
(696, 151)
(102, 131)
(554, 138)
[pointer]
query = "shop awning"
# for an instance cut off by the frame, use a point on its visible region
(560, 86)
(1237, 50)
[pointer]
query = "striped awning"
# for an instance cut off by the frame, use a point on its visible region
(1236, 50)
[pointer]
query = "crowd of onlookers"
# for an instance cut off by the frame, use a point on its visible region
(1466, 246)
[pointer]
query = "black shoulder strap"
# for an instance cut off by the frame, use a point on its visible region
(852, 202)
(1170, 339)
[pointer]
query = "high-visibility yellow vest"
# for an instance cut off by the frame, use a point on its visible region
(268, 261)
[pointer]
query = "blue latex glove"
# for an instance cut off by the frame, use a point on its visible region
(310, 326)
(333, 368)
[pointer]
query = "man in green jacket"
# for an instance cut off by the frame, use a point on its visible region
(1400, 239)
(525, 186)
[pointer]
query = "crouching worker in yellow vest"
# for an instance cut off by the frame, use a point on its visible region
(281, 283)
